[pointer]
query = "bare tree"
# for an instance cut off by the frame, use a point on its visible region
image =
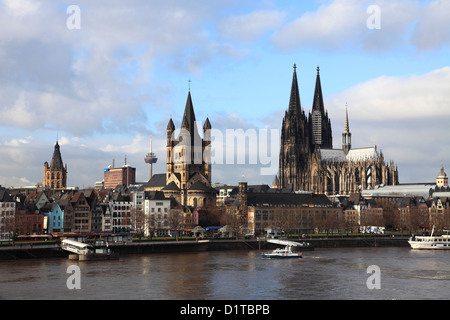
(176, 221)
(139, 221)
(151, 225)
(237, 224)
(9, 226)
(447, 218)
(419, 218)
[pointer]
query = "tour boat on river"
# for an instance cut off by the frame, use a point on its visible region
(87, 252)
(284, 253)
(430, 242)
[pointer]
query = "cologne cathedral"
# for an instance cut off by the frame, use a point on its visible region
(308, 161)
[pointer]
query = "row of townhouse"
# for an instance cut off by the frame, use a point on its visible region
(123, 209)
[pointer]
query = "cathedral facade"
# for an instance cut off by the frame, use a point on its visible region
(308, 160)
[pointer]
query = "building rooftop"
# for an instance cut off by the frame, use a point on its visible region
(157, 180)
(355, 154)
(258, 199)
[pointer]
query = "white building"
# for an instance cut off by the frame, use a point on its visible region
(157, 210)
(120, 209)
(7, 215)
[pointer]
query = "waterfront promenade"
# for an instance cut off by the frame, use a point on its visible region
(52, 250)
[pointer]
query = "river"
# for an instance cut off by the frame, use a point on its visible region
(340, 273)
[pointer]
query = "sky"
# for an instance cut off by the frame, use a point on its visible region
(101, 76)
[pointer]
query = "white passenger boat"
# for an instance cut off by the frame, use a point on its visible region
(284, 253)
(85, 252)
(430, 242)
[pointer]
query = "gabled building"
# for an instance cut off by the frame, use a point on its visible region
(68, 213)
(55, 217)
(38, 198)
(120, 206)
(82, 212)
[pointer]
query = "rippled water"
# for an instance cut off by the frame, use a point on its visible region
(238, 275)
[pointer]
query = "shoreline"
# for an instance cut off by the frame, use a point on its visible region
(19, 252)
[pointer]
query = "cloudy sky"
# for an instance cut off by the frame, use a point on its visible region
(102, 78)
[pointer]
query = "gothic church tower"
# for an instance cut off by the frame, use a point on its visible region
(295, 141)
(55, 174)
(320, 125)
(188, 166)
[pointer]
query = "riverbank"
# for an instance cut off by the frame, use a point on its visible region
(53, 251)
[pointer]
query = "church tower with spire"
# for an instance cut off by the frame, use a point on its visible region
(188, 169)
(320, 125)
(295, 141)
(346, 134)
(55, 174)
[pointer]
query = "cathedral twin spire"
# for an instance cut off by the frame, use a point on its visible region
(319, 125)
(318, 98)
(294, 102)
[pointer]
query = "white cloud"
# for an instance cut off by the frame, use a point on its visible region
(397, 17)
(342, 24)
(406, 117)
(249, 27)
(433, 29)
(17, 142)
(136, 145)
(63, 141)
(398, 98)
(15, 182)
(21, 7)
(332, 26)
(98, 78)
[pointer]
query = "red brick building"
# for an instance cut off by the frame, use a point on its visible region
(29, 223)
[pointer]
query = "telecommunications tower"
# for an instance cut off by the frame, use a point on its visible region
(150, 158)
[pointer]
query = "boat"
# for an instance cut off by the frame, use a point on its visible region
(288, 252)
(430, 242)
(87, 252)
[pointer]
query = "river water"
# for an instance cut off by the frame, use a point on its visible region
(340, 273)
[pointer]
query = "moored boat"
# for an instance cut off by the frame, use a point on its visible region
(430, 242)
(86, 252)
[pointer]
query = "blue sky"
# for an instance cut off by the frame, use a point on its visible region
(101, 89)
